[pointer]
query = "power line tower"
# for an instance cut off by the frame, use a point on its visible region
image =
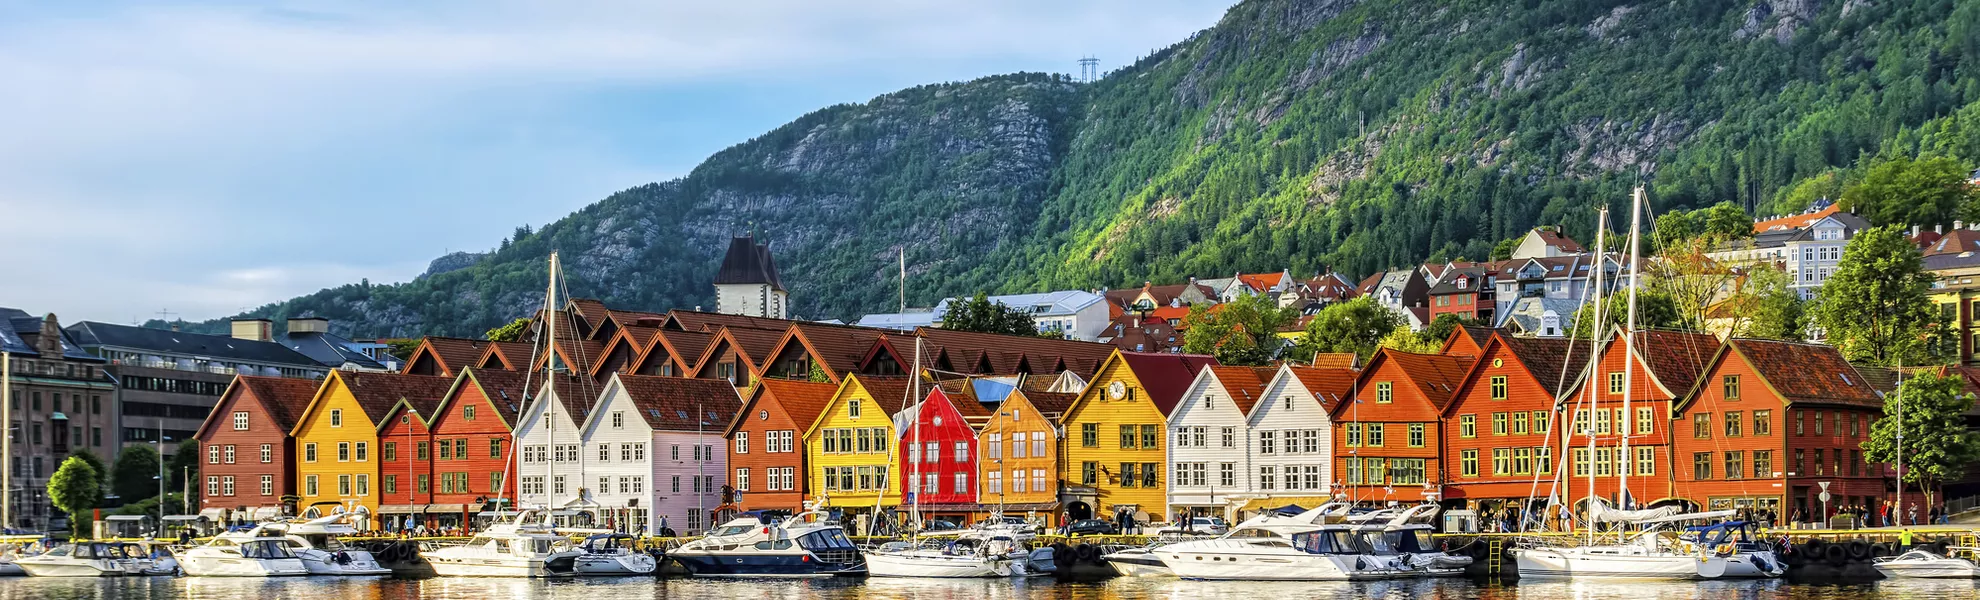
(1089, 69)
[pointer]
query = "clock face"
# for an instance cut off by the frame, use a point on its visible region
(1117, 389)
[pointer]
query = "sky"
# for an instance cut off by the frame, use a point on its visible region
(198, 159)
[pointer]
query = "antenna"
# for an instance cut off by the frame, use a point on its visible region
(165, 315)
(1089, 69)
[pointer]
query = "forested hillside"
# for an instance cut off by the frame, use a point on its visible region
(1303, 134)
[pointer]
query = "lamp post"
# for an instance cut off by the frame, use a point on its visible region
(160, 443)
(412, 477)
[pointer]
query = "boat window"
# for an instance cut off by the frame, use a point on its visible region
(63, 551)
(1373, 542)
(1315, 542)
(831, 539)
(266, 549)
(1410, 541)
(542, 546)
(728, 530)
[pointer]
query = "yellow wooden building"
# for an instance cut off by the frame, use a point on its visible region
(336, 436)
(1019, 456)
(1114, 451)
(851, 448)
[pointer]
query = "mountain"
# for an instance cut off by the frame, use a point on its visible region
(1356, 135)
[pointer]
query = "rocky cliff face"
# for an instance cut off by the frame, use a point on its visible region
(1357, 135)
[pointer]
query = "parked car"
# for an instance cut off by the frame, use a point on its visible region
(1092, 527)
(938, 525)
(1197, 526)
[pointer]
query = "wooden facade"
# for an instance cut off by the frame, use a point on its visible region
(1116, 442)
(766, 443)
(1389, 436)
(247, 455)
(1498, 425)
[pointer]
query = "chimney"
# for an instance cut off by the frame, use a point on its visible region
(254, 329)
(50, 341)
(1958, 224)
(1914, 231)
(309, 325)
(175, 327)
(1938, 229)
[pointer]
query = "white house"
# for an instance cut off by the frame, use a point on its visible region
(654, 453)
(1207, 440)
(550, 472)
(1291, 437)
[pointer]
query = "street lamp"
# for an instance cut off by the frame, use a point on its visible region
(159, 525)
(412, 478)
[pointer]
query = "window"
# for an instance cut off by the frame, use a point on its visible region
(1580, 458)
(1467, 426)
(1311, 440)
(1498, 387)
(343, 451)
(1375, 431)
(343, 485)
(309, 452)
(1498, 423)
(1701, 466)
(1735, 464)
(420, 452)
(1128, 479)
(267, 453)
(1468, 463)
(212, 485)
(309, 485)
(962, 454)
(337, 419)
(1616, 383)
(1384, 392)
(1227, 474)
(1501, 461)
(467, 413)
(1353, 435)
(1733, 421)
(618, 419)
(1645, 418)
(1089, 435)
(390, 485)
(1519, 423)
(1148, 474)
(1605, 461)
(604, 453)
(240, 421)
(1818, 421)
(212, 455)
(389, 452)
(1038, 441)
(1731, 385)
(1646, 460)
(1581, 421)
(1129, 436)
(1819, 463)
(1602, 421)
(1544, 457)
(1416, 434)
(993, 482)
(1799, 429)
(1151, 433)
(1230, 437)
(1701, 426)
(852, 409)
(742, 480)
(267, 485)
(447, 450)
(1763, 463)
(229, 454)
(1089, 473)
(364, 451)
(995, 447)
(1267, 477)
(1265, 442)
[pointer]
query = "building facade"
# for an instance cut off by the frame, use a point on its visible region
(1390, 433)
(1115, 448)
(60, 402)
(249, 461)
(765, 440)
(1208, 440)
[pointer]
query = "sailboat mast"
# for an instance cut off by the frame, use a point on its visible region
(914, 503)
(550, 346)
(1629, 348)
(7, 441)
(1595, 361)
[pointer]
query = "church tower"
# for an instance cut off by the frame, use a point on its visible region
(747, 284)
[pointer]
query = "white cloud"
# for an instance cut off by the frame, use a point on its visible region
(210, 156)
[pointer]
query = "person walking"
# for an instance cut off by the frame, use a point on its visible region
(1911, 517)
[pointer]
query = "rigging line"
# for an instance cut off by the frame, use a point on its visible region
(1554, 417)
(1720, 443)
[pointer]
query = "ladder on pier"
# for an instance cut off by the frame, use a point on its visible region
(1495, 553)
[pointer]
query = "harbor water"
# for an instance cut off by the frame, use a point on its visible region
(321, 588)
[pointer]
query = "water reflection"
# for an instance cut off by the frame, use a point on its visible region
(318, 588)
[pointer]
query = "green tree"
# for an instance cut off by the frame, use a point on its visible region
(1673, 229)
(1655, 309)
(402, 347)
(101, 470)
(982, 315)
(1875, 307)
(1725, 221)
(1930, 409)
(1774, 311)
(1409, 341)
(1356, 326)
(1241, 332)
(513, 332)
(1504, 249)
(1441, 327)
(1901, 191)
(134, 475)
(75, 489)
(1827, 185)
(183, 466)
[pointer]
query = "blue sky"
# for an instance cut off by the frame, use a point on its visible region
(213, 156)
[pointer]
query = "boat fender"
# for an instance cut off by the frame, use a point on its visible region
(1880, 550)
(1836, 554)
(1815, 547)
(1761, 563)
(1359, 564)
(1088, 552)
(1859, 550)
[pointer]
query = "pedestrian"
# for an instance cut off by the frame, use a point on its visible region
(1904, 541)
(1911, 516)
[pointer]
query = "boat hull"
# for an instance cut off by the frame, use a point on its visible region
(1268, 565)
(355, 563)
(448, 565)
(702, 564)
(1553, 563)
(1138, 564)
(884, 564)
(609, 565)
(235, 566)
(1942, 569)
(69, 569)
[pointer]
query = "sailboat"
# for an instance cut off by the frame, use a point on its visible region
(973, 553)
(1645, 553)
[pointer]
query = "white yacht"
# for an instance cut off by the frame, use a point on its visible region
(1923, 564)
(1650, 554)
(992, 553)
(1407, 534)
(256, 552)
(518, 548)
(804, 545)
(316, 542)
(1138, 562)
(81, 559)
(1306, 547)
(610, 554)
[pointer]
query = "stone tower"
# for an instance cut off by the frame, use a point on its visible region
(747, 284)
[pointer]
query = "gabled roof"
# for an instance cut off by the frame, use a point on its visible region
(577, 394)
(891, 393)
(672, 403)
(835, 348)
(282, 398)
(330, 349)
(1259, 282)
(752, 345)
(1244, 385)
(1554, 238)
(1328, 385)
(508, 356)
(1955, 242)
(1801, 372)
(633, 341)
(1048, 403)
(682, 348)
(691, 320)
(1796, 221)
(1474, 334)
(1166, 377)
(378, 393)
(1676, 359)
(1335, 360)
(1007, 354)
(748, 262)
(802, 400)
(450, 354)
(1436, 376)
(579, 355)
(505, 390)
(1543, 358)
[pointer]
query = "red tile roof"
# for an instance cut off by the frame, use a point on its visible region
(1165, 376)
(1328, 385)
(689, 320)
(508, 389)
(891, 393)
(1335, 360)
(1545, 360)
(377, 393)
(836, 348)
(1436, 375)
(1676, 358)
(802, 400)
(671, 403)
(1244, 385)
(1955, 242)
(1795, 221)
(451, 354)
(285, 398)
(510, 356)
(1555, 239)
(1812, 373)
(1007, 354)
(1048, 403)
(683, 348)
(1259, 282)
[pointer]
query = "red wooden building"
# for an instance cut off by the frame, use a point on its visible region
(247, 452)
(1668, 364)
(404, 465)
(766, 443)
(939, 442)
(1770, 422)
(1497, 428)
(1388, 437)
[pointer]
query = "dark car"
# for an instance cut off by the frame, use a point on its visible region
(1092, 527)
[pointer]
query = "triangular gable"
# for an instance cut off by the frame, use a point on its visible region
(258, 388)
(442, 355)
(621, 352)
(613, 394)
(425, 416)
(471, 378)
(846, 388)
(332, 381)
(1417, 378)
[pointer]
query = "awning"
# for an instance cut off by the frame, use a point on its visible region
(123, 518)
(1272, 502)
(443, 509)
(398, 509)
(184, 518)
(213, 514)
(262, 513)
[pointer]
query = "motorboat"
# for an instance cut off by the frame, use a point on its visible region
(612, 554)
(1924, 564)
(1650, 554)
(316, 542)
(253, 552)
(1408, 534)
(1138, 562)
(148, 559)
(987, 554)
(804, 545)
(515, 548)
(1312, 546)
(80, 559)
